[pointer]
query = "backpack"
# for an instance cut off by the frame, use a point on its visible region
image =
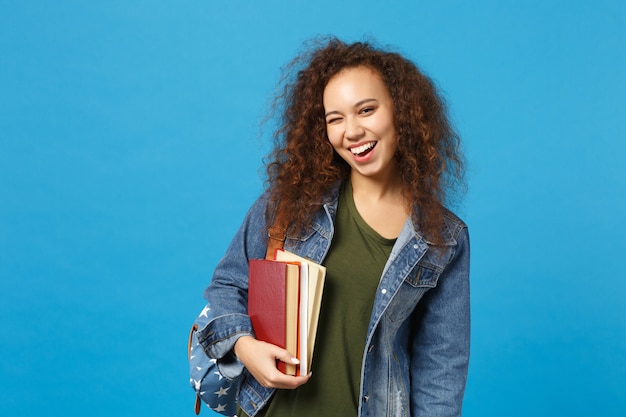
(211, 387)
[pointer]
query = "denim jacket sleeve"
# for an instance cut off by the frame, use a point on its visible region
(228, 292)
(439, 370)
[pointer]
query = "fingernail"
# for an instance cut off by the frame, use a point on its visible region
(295, 361)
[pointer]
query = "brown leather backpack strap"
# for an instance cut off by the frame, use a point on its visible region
(276, 234)
(198, 403)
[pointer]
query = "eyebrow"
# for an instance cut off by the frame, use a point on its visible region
(359, 103)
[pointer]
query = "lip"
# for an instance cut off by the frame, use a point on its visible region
(367, 147)
(364, 145)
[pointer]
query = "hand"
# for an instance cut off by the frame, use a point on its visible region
(260, 360)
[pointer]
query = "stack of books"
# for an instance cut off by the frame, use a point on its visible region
(284, 297)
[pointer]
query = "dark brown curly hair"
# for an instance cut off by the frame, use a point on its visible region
(303, 166)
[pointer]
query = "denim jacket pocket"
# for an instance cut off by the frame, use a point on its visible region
(312, 243)
(425, 277)
(415, 285)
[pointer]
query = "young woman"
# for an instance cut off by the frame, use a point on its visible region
(364, 161)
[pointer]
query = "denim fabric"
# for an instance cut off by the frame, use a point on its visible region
(417, 349)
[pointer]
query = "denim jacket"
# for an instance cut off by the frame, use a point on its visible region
(417, 348)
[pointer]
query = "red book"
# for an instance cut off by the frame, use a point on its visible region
(273, 305)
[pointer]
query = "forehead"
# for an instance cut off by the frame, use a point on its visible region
(355, 83)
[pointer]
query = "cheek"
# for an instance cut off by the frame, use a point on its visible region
(333, 137)
(386, 126)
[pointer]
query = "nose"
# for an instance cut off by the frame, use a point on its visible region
(354, 130)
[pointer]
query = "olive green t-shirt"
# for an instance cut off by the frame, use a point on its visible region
(354, 266)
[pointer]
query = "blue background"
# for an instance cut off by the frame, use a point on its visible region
(130, 149)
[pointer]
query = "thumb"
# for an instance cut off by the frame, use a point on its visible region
(284, 356)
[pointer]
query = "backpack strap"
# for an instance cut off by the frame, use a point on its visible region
(198, 403)
(277, 233)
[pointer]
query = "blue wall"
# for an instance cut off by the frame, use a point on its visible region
(130, 149)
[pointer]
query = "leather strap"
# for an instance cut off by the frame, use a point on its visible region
(276, 234)
(194, 328)
(197, 405)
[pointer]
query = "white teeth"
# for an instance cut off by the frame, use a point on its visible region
(360, 149)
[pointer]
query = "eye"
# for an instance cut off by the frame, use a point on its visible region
(333, 120)
(367, 110)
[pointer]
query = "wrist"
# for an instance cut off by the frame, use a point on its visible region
(241, 343)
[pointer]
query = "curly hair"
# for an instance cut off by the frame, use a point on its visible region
(303, 166)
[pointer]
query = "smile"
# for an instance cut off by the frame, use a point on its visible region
(363, 149)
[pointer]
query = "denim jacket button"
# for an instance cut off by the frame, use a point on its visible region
(384, 291)
(416, 246)
(366, 398)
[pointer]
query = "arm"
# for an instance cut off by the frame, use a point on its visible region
(440, 348)
(228, 292)
(228, 296)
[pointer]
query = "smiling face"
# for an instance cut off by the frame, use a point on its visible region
(359, 122)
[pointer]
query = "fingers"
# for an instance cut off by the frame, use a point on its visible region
(260, 360)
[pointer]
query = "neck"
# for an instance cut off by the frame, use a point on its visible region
(377, 188)
(381, 204)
